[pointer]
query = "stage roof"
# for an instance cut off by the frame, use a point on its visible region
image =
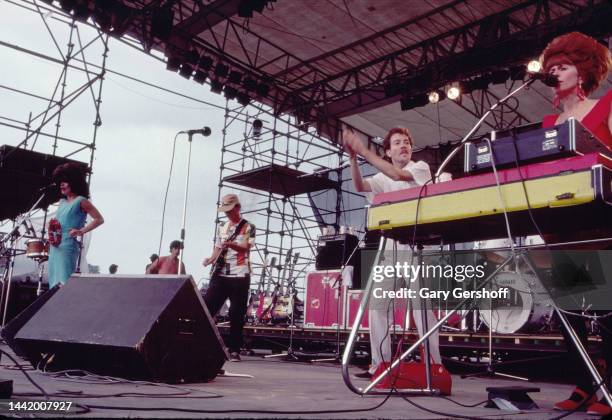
(327, 61)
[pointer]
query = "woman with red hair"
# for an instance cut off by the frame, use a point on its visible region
(581, 64)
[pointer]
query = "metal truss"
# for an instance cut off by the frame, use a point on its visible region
(75, 58)
(284, 222)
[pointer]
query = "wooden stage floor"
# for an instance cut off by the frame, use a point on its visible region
(273, 388)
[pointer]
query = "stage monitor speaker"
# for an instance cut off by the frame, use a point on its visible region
(138, 327)
(333, 251)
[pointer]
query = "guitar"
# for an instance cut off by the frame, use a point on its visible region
(219, 264)
(254, 299)
(283, 308)
(265, 297)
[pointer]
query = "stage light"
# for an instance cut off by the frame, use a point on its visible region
(173, 64)
(257, 126)
(249, 84)
(205, 63)
(453, 93)
(199, 77)
(216, 86)
(221, 70)
(186, 71)
(436, 96)
(534, 66)
(392, 88)
(262, 89)
(243, 98)
(230, 92)
(82, 11)
(234, 77)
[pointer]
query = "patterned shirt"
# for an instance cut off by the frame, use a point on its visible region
(237, 264)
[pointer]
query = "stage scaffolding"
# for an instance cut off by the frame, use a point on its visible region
(81, 65)
(283, 172)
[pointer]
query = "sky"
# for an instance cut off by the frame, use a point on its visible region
(134, 142)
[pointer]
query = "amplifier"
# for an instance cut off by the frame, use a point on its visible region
(530, 144)
(333, 251)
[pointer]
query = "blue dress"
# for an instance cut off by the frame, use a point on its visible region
(63, 258)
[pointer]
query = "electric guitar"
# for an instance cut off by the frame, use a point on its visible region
(219, 264)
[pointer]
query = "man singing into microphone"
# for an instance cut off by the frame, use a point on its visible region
(231, 275)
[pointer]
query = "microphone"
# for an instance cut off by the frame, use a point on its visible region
(47, 187)
(205, 131)
(546, 78)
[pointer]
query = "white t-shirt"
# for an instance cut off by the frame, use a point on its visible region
(380, 183)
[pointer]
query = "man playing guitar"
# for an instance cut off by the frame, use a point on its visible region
(230, 275)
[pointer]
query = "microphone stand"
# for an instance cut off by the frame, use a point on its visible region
(180, 262)
(13, 235)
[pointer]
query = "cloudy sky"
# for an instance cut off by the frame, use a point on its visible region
(134, 143)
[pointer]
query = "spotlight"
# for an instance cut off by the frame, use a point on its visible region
(230, 92)
(216, 86)
(192, 57)
(249, 84)
(81, 11)
(235, 77)
(173, 64)
(205, 63)
(221, 70)
(436, 96)
(534, 66)
(199, 77)
(392, 88)
(257, 126)
(186, 71)
(453, 93)
(243, 99)
(262, 90)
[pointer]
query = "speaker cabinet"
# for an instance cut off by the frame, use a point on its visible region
(333, 251)
(138, 327)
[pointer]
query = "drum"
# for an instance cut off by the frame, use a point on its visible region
(527, 308)
(37, 249)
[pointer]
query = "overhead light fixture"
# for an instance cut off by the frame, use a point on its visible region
(221, 70)
(230, 92)
(257, 126)
(173, 64)
(534, 66)
(243, 98)
(199, 77)
(436, 96)
(216, 86)
(249, 84)
(205, 63)
(186, 71)
(235, 77)
(262, 89)
(453, 93)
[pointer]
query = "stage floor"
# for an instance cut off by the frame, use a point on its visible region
(275, 386)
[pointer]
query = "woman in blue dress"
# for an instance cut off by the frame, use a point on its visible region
(69, 222)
